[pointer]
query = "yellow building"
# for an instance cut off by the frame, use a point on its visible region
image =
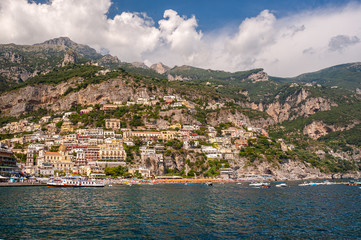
(142, 134)
(169, 135)
(67, 127)
(112, 151)
(59, 160)
(174, 126)
(112, 123)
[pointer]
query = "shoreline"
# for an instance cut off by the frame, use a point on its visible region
(180, 181)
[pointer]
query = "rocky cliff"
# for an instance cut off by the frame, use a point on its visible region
(160, 68)
(51, 97)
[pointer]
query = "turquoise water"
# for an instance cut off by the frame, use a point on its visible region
(227, 211)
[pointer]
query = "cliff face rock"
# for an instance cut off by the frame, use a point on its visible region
(160, 68)
(290, 170)
(296, 106)
(279, 112)
(177, 78)
(224, 116)
(176, 115)
(263, 123)
(260, 76)
(175, 162)
(108, 60)
(112, 90)
(318, 129)
(13, 57)
(51, 97)
(30, 98)
(17, 74)
(69, 58)
(140, 65)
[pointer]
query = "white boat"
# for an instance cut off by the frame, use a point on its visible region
(307, 184)
(281, 185)
(258, 184)
(73, 182)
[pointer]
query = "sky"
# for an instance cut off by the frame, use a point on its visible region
(285, 37)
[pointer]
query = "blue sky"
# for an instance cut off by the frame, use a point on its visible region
(285, 37)
(214, 14)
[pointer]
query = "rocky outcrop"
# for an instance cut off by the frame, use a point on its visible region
(13, 57)
(66, 43)
(17, 74)
(279, 112)
(69, 58)
(51, 97)
(177, 78)
(291, 170)
(160, 68)
(224, 116)
(176, 116)
(296, 106)
(140, 65)
(108, 60)
(318, 129)
(260, 76)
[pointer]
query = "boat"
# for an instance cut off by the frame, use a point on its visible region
(307, 184)
(73, 182)
(258, 184)
(209, 183)
(353, 183)
(281, 185)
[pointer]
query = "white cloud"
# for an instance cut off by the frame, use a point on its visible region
(286, 46)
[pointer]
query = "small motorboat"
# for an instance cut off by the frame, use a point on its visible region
(209, 183)
(282, 185)
(258, 184)
(308, 184)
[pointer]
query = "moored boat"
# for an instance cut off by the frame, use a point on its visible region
(258, 184)
(74, 182)
(307, 184)
(209, 183)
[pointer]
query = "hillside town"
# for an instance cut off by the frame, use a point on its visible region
(54, 146)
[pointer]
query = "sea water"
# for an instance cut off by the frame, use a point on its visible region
(221, 211)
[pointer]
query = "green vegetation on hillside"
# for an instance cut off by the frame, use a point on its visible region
(58, 75)
(346, 76)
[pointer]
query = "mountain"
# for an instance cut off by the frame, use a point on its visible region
(346, 76)
(65, 42)
(18, 63)
(322, 121)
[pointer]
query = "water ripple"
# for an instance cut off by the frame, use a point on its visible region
(181, 212)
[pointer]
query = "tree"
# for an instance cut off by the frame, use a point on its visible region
(21, 157)
(59, 124)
